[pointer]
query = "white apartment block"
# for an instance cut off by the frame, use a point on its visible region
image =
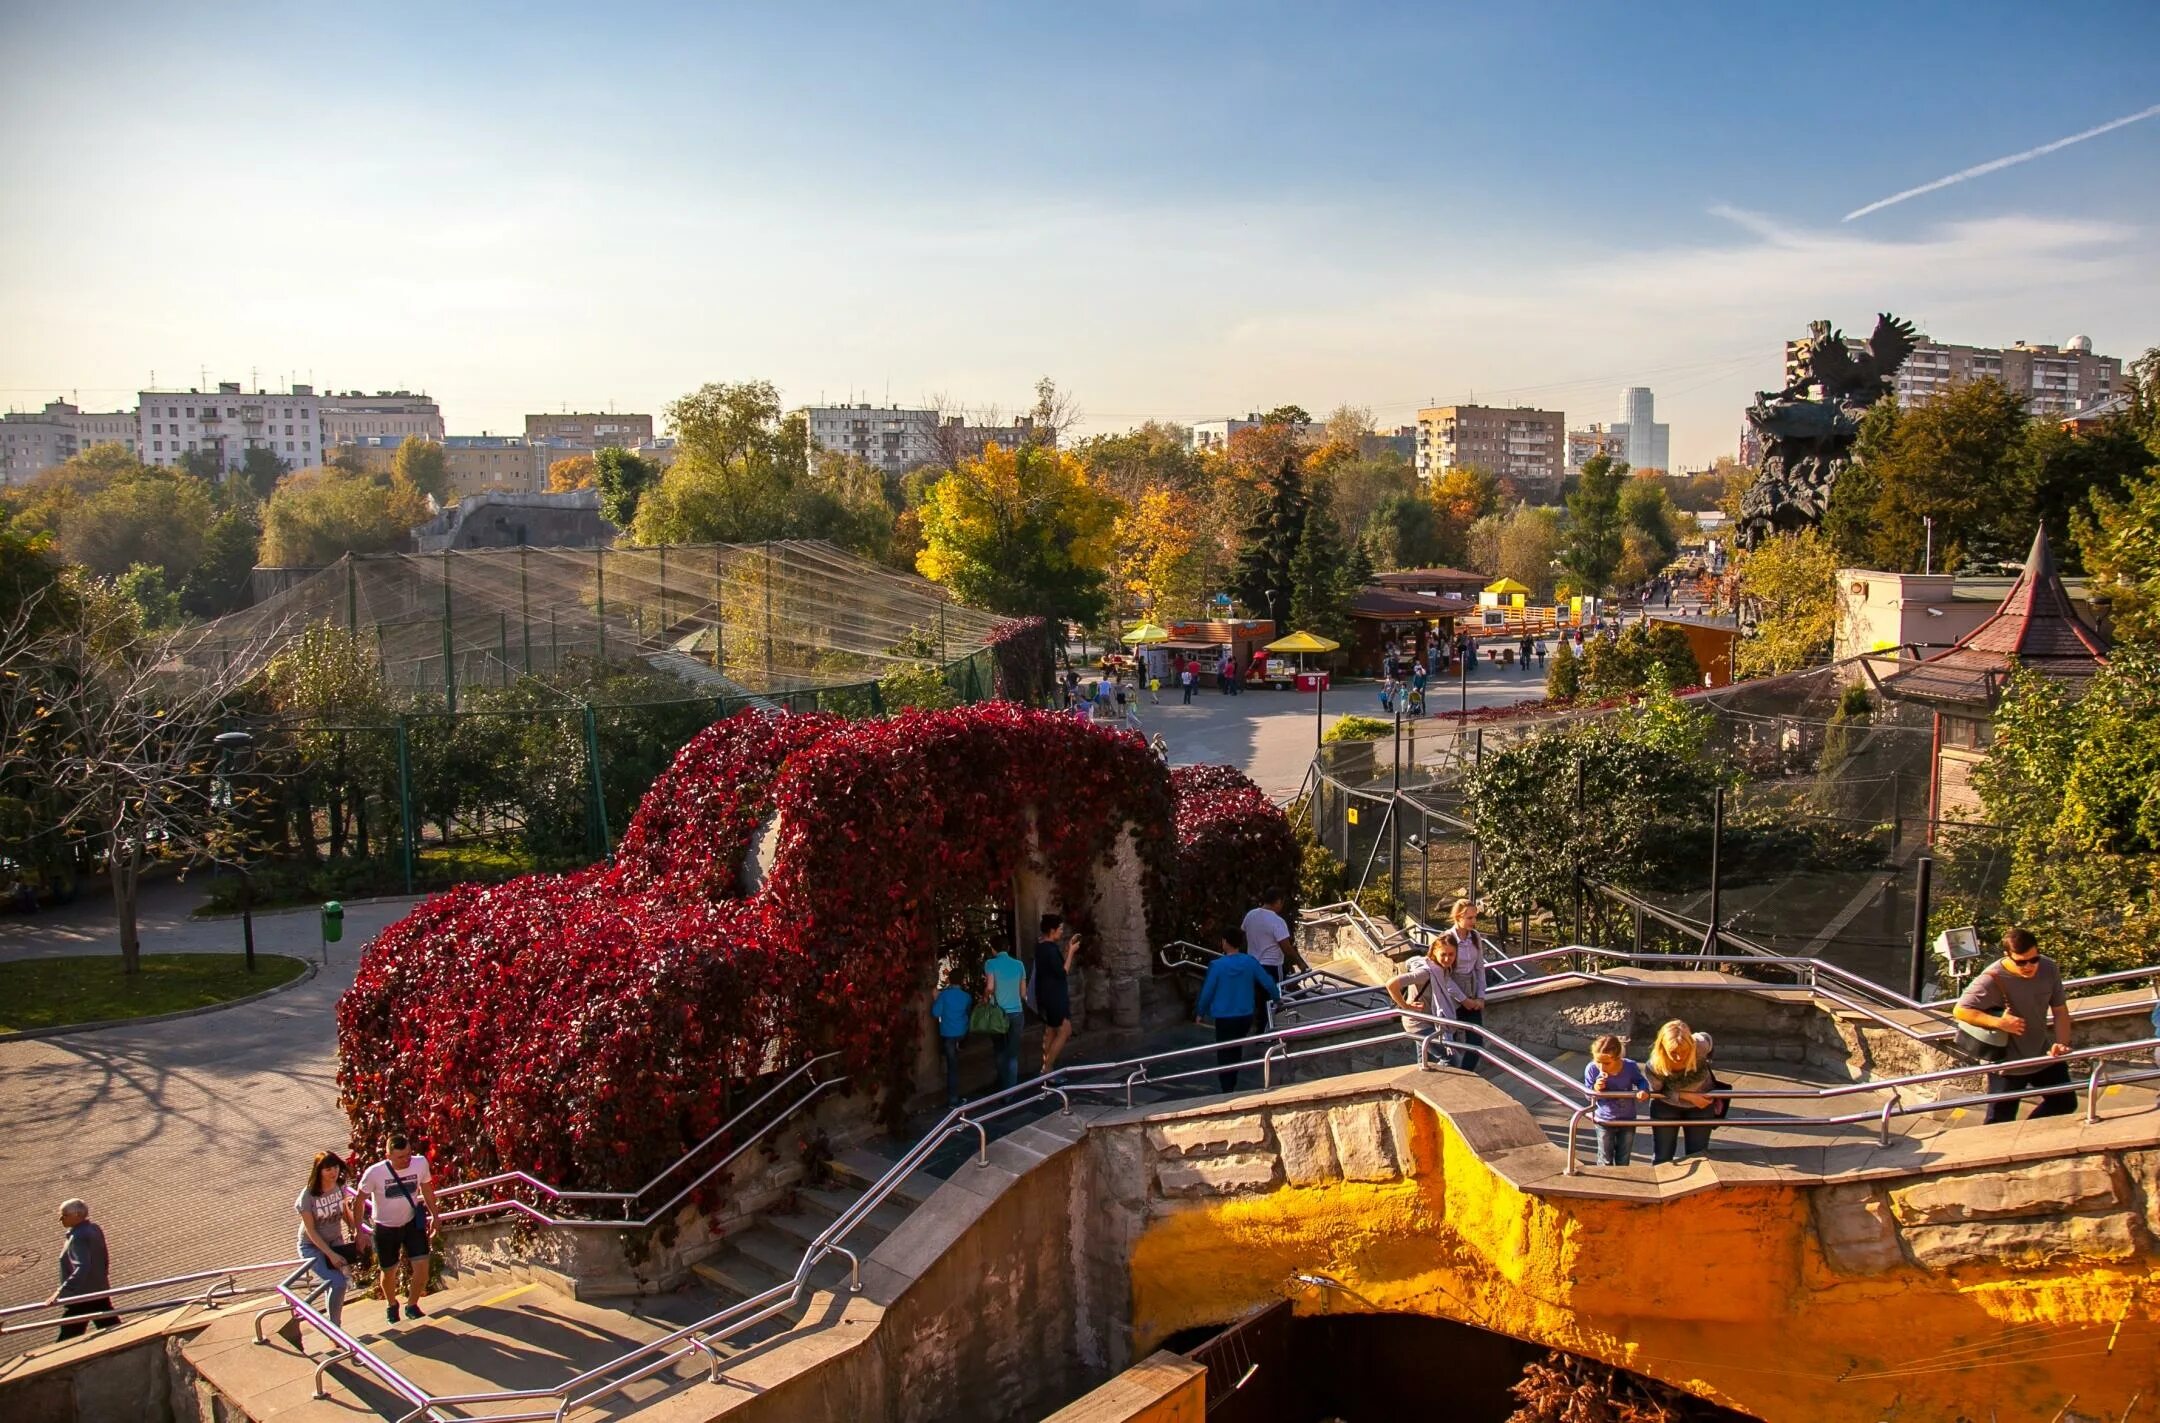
(228, 422)
(897, 440)
(1215, 434)
(350, 416)
(32, 442)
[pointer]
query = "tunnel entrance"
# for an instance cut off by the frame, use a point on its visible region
(1276, 1367)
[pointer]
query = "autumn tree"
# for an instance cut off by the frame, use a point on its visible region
(420, 463)
(318, 516)
(1158, 560)
(107, 511)
(1594, 532)
(1405, 532)
(259, 472)
(1788, 593)
(1262, 578)
(1358, 487)
(623, 478)
(1526, 544)
(1460, 497)
(570, 473)
(1153, 456)
(1021, 531)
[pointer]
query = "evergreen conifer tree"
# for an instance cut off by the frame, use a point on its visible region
(1262, 578)
(1319, 595)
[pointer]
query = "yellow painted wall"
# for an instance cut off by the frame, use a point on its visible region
(1723, 1292)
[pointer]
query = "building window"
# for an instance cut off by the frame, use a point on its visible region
(288, 445)
(160, 444)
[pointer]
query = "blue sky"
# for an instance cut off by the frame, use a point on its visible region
(1177, 210)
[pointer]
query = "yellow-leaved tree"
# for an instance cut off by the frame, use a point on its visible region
(1021, 531)
(1160, 561)
(1788, 585)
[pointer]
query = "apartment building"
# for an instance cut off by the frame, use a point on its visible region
(589, 432)
(1215, 434)
(1585, 445)
(227, 423)
(896, 439)
(2055, 380)
(34, 441)
(350, 416)
(1525, 446)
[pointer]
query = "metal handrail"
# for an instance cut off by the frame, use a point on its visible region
(629, 1197)
(702, 1338)
(226, 1287)
(652, 1217)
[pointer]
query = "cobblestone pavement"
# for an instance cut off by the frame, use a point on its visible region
(188, 1138)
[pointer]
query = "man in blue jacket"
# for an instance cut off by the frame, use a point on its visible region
(1234, 986)
(85, 1273)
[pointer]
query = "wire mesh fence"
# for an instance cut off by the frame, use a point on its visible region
(1813, 849)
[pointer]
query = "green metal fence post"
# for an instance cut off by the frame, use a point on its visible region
(599, 564)
(719, 615)
(524, 610)
(663, 590)
(352, 597)
(768, 614)
(599, 793)
(449, 667)
(405, 805)
(502, 647)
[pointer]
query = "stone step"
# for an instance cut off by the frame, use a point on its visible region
(866, 1167)
(735, 1275)
(884, 1218)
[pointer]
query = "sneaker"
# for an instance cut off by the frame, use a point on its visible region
(413, 1311)
(391, 1312)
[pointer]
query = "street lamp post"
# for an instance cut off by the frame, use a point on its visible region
(229, 743)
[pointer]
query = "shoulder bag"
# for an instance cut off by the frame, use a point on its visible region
(988, 1019)
(1984, 1044)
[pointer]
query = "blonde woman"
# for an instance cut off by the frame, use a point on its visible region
(1680, 1080)
(1468, 972)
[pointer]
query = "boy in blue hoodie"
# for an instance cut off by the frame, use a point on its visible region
(1610, 1072)
(951, 1008)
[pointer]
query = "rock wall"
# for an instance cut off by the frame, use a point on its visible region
(2022, 1279)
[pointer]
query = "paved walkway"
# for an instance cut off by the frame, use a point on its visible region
(1269, 734)
(188, 1138)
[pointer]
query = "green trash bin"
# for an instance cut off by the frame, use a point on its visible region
(333, 922)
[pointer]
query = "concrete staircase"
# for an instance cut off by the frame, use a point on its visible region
(764, 1253)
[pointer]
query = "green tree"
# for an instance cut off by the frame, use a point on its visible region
(1359, 488)
(1405, 532)
(2121, 542)
(203, 465)
(2074, 784)
(1646, 656)
(219, 581)
(1958, 461)
(318, 516)
(623, 478)
(2066, 471)
(1788, 591)
(1646, 508)
(259, 472)
(1153, 457)
(110, 522)
(157, 606)
(1262, 578)
(1594, 542)
(1021, 531)
(1319, 600)
(1849, 521)
(1526, 543)
(1563, 680)
(420, 463)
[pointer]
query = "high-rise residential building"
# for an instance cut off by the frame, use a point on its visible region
(1584, 445)
(227, 423)
(34, 441)
(2054, 380)
(1648, 444)
(349, 416)
(590, 432)
(1526, 446)
(897, 440)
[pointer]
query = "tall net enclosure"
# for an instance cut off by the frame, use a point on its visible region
(1829, 808)
(734, 619)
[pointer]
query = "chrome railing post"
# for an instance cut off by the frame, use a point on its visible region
(1890, 1104)
(1138, 1075)
(1574, 1120)
(2092, 1090)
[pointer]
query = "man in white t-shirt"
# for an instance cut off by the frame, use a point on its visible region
(1267, 938)
(400, 1194)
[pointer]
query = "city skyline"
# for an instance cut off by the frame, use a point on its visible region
(1240, 221)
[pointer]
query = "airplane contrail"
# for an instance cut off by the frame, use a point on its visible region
(1994, 164)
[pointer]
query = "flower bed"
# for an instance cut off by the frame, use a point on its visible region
(583, 1027)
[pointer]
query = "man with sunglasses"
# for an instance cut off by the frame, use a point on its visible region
(2020, 995)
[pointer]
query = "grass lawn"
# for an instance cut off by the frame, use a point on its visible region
(50, 993)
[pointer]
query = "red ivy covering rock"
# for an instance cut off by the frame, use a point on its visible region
(583, 1027)
(1233, 847)
(1020, 657)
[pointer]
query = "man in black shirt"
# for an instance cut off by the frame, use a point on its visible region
(1053, 994)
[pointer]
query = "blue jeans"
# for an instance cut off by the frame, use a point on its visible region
(1615, 1144)
(952, 1069)
(330, 1275)
(1008, 1050)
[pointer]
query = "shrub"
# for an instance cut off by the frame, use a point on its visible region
(1233, 846)
(586, 1027)
(1359, 728)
